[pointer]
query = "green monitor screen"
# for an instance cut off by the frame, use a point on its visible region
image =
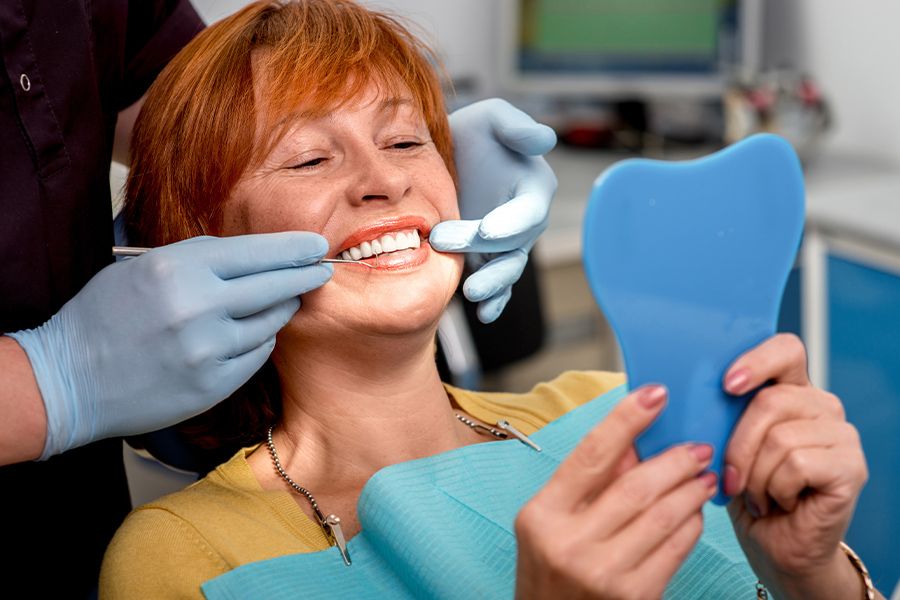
(623, 40)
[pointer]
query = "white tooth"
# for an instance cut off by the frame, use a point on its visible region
(400, 240)
(366, 249)
(345, 255)
(376, 247)
(388, 243)
(416, 242)
(355, 253)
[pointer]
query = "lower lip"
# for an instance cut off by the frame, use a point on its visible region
(396, 261)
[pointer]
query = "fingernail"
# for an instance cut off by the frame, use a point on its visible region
(702, 452)
(710, 479)
(735, 382)
(731, 480)
(652, 396)
(752, 508)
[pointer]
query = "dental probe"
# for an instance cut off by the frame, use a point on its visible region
(129, 251)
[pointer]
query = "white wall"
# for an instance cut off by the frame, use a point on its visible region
(852, 48)
(460, 30)
(463, 32)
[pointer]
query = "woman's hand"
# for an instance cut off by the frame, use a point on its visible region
(606, 526)
(796, 468)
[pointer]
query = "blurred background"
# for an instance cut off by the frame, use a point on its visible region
(677, 79)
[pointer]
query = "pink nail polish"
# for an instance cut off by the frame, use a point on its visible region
(731, 480)
(709, 479)
(737, 381)
(651, 397)
(702, 452)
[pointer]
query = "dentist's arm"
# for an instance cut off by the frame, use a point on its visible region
(23, 421)
(505, 190)
(154, 340)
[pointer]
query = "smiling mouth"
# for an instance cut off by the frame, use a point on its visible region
(387, 243)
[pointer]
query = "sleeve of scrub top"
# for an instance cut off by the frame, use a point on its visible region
(157, 30)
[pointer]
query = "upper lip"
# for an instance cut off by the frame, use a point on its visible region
(380, 227)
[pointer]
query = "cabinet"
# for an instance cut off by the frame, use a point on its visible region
(850, 313)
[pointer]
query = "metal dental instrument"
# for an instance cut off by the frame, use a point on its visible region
(344, 260)
(129, 251)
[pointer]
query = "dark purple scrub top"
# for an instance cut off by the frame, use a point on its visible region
(68, 68)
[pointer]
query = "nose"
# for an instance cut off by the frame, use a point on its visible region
(378, 176)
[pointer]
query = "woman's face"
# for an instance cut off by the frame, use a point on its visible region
(369, 179)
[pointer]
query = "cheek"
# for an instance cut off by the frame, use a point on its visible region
(451, 210)
(272, 210)
(291, 214)
(441, 191)
(233, 219)
(246, 211)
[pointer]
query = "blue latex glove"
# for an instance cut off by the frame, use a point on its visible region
(154, 340)
(505, 189)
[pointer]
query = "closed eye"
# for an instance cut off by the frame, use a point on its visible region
(406, 145)
(310, 163)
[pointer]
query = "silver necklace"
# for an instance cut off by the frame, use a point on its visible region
(330, 524)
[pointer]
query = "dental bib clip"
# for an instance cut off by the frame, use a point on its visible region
(688, 261)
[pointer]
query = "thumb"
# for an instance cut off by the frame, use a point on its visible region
(518, 131)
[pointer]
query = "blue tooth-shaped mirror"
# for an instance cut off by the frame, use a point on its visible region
(688, 261)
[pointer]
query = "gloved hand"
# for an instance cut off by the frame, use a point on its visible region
(505, 189)
(154, 340)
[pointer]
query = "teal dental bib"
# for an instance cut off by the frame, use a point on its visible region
(688, 261)
(442, 527)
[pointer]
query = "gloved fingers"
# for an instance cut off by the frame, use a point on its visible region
(497, 275)
(239, 369)
(526, 213)
(454, 236)
(463, 236)
(249, 333)
(518, 131)
(490, 309)
(250, 294)
(241, 255)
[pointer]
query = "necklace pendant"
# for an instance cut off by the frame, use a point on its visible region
(506, 426)
(333, 522)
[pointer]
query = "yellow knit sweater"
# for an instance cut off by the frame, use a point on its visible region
(169, 547)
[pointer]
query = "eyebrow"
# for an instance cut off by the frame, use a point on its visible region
(388, 104)
(395, 102)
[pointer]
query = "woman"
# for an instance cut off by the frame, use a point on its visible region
(322, 116)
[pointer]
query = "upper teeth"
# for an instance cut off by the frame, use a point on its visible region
(389, 242)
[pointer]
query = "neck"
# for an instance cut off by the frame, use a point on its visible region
(345, 418)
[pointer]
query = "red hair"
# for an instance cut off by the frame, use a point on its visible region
(200, 130)
(197, 132)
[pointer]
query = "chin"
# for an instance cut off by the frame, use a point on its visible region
(404, 318)
(393, 304)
